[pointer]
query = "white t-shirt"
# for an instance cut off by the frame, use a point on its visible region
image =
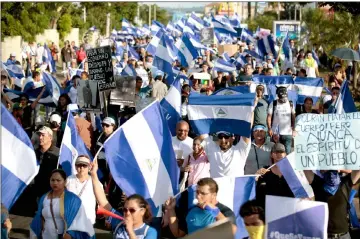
(310, 71)
(87, 197)
(182, 148)
(229, 163)
(73, 95)
(282, 117)
(39, 54)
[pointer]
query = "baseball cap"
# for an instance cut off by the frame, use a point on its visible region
(13, 54)
(248, 55)
(259, 127)
(268, 57)
(259, 65)
(82, 160)
(55, 118)
(45, 130)
(16, 106)
(278, 148)
(108, 121)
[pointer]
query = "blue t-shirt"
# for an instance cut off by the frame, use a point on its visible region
(119, 229)
(198, 219)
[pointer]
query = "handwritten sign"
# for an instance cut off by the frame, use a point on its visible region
(100, 67)
(328, 141)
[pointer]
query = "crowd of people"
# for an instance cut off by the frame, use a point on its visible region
(200, 157)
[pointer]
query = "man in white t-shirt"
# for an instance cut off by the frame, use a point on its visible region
(281, 118)
(81, 185)
(182, 143)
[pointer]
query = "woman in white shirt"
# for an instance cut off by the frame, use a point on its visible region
(81, 185)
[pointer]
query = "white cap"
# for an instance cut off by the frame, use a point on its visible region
(55, 118)
(109, 121)
(13, 54)
(45, 130)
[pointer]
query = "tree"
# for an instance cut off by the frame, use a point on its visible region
(351, 7)
(161, 14)
(264, 21)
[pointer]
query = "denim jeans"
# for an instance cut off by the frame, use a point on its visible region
(286, 140)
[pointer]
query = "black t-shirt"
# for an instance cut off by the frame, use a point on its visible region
(337, 203)
(48, 162)
(26, 118)
(271, 184)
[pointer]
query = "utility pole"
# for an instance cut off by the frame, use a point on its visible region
(278, 11)
(295, 7)
(108, 22)
(84, 14)
(149, 15)
(155, 12)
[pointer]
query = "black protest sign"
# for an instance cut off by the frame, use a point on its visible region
(327, 141)
(100, 67)
(124, 94)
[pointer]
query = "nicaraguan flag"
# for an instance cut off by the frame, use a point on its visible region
(12, 94)
(171, 105)
(296, 179)
(235, 20)
(156, 26)
(294, 216)
(186, 51)
(19, 165)
(315, 56)
(132, 53)
(47, 58)
(154, 43)
(197, 22)
(189, 28)
(163, 56)
(266, 46)
(240, 61)
(223, 28)
(223, 66)
(71, 147)
(345, 102)
(287, 49)
(180, 24)
(233, 193)
(15, 71)
(236, 90)
(53, 90)
(308, 87)
(214, 113)
(144, 165)
(125, 24)
(254, 54)
(247, 36)
(128, 70)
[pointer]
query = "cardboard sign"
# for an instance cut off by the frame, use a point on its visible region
(202, 76)
(230, 49)
(207, 36)
(100, 67)
(124, 94)
(220, 229)
(327, 141)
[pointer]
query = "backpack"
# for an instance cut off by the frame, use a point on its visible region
(274, 107)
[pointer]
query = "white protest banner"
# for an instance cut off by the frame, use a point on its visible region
(295, 218)
(327, 141)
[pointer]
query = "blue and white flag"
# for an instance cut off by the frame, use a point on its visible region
(235, 20)
(255, 55)
(155, 27)
(154, 43)
(345, 102)
(180, 24)
(53, 90)
(240, 61)
(144, 165)
(236, 90)
(132, 53)
(287, 217)
(315, 56)
(247, 36)
(233, 193)
(223, 66)
(296, 179)
(186, 51)
(214, 113)
(287, 49)
(19, 165)
(75, 72)
(223, 28)
(308, 87)
(189, 28)
(15, 71)
(47, 58)
(163, 56)
(125, 24)
(171, 105)
(266, 46)
(129, 70)
(196, 21)
(71, 147)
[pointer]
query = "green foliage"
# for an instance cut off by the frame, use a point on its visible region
(64, 25)
(263, 20)
(351, 7)
(161, 14)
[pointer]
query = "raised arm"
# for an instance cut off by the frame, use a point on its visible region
(34, 104)
(98, 190)
(173, 221)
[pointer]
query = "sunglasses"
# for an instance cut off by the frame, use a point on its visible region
(131, 210)
(105, 125)
(81, 165)
(222, 136)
